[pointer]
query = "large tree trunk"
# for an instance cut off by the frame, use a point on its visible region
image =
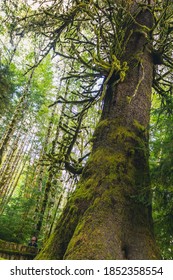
(109, 214)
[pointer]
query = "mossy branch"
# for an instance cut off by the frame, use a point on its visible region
(116, 67)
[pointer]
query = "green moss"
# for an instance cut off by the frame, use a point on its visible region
(122, 149)
(110, 175)
(123, 135)
(47, 253)
(114, 162)
(104, 157)
(92, 225)
(100, 127)
(139, 126)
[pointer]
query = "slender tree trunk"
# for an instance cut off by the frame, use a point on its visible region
(109, 214)
(12, 186)
(55, 213)
(51, 174)
(10, 153)
(48, 185)
(18, 114)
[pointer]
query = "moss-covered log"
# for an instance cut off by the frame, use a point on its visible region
(109, 215)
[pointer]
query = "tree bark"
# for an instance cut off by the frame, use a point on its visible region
(109, 214)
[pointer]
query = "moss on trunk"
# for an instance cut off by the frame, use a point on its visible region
(109, 214)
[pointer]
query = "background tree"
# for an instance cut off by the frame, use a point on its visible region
(35, 144)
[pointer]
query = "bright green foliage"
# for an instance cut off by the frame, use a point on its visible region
(161, 165)
(16, 224)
